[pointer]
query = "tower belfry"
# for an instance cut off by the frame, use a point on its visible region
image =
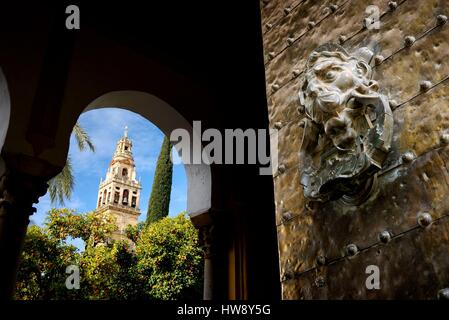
(119, 193)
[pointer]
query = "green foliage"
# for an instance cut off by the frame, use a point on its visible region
(108, 271)
(160, 194)
(93, 227)
(170, 259)
(133, 233)
(82, 138)
(163, 261)
(98, 265)
(60, 187)
(42, 268)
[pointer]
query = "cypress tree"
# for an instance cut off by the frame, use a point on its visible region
(160, 193)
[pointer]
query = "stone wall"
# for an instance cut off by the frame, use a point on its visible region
(313, 238)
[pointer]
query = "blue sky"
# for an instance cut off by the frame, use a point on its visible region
(106, 127)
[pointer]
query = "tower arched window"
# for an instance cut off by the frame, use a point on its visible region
(125, 197)
(125, 172)
(133, 201)
(104, 197)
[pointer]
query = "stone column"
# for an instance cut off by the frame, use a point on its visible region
(206, 241)
(138, 199)
(120, 195)
(18, 193)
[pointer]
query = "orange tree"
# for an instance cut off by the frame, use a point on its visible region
(169, 259)
(161, 261)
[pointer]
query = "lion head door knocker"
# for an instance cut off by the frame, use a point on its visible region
(348, 126)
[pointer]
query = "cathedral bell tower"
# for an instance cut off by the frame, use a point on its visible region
(119, 193)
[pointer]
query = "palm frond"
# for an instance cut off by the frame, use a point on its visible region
(82, 138)
(60, 187)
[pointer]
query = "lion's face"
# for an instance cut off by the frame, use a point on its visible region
(348, 128)
(333, 84)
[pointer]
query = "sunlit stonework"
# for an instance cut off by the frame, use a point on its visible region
(119, 193)
(348, 126)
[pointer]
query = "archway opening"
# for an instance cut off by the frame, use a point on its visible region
(192, 182)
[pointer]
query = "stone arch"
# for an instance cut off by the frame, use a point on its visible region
(125, 197)
(104, 196)
(5, 110)
(167, 119)
(116, 196)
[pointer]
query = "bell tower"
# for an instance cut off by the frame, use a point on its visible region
(119, 193)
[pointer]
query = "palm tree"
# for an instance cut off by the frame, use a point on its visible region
(60, 188)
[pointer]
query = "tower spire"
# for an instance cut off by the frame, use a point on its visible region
(126, 131)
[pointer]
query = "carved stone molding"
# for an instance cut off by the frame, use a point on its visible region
(20, 192)
(348, 127)
(206, 239)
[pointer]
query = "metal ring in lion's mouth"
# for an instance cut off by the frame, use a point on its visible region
(362, 194)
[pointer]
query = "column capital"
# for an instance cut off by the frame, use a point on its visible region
(206, 239)
(18, 193)
(21, 192)
(206, 223)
